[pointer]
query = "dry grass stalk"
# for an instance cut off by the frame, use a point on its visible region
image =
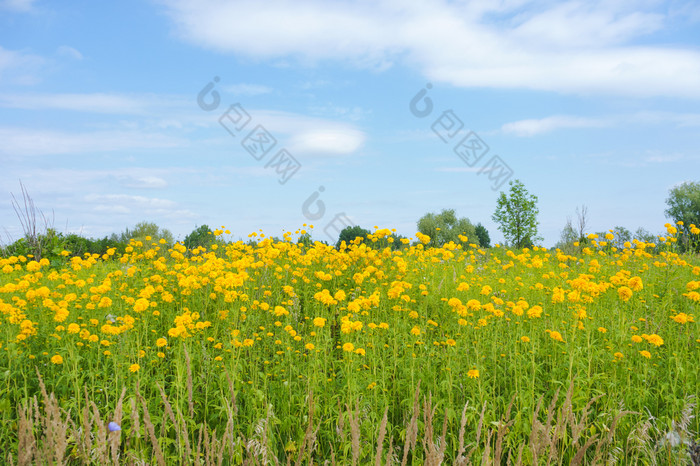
(412, 428)
(190, 404)
(151, 431)
(354, 432)
(380, 439)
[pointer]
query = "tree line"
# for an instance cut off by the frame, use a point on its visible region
(515, 215)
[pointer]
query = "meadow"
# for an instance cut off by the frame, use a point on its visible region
(273, 352)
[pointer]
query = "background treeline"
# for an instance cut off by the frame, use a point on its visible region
(516, 216)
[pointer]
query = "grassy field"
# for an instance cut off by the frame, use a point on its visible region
(273, 352)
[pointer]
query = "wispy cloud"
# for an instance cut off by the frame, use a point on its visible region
(142, 182)
(69, 52)
(17, 67)
(17, 5)
(247, 89)
(568, 47)
(538, 126)
(94, 103)
(533, 127)
(19, 142)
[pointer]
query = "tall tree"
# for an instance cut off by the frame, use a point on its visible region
(201, 236)
(445, 227)
(483, 234)
(684, 206)
(349, 234)
(143, 229)
(516, 215)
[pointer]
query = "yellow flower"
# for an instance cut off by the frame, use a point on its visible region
(635, 283)
(525, 339)
(556, 336)
(360, 351)
(56, 359)
(450, 342)
(646, 354)
(248, 342)
(309, 346)
(319, 322)
(618, 355)
(161, 342)
(624, 293)
(654, 340)
(134, 368)
(602, 329)
(348, 347)
(415, 330)
(473, 374)
(682, 318)
(636, 338)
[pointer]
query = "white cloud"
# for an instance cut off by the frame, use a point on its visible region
(536, 126)
(532, 127)
(18, 142)
(247, 89)
(69, 52)
(19, 67)
(96, 103)
(459, 169)
(17, 5)
(329, 141)
(569, 47)
(311, 135)
(144, 182)
(139, 201)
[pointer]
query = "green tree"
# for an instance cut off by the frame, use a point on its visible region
(349, 234)
(516, 215)
(143, 229)
(646, 236)
(200, 236)
(684, 206)
(445, 227)
(622, 236)
(567, 238)
(483, 234)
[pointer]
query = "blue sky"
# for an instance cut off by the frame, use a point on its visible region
(586, 102)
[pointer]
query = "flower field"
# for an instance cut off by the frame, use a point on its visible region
(272, 351)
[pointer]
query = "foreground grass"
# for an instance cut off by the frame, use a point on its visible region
(278, 353)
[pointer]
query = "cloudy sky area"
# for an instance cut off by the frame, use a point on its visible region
(106, 117)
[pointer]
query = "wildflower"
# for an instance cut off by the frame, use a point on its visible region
(646, 354)
(473, 374)
(618, 355)
(248, 342)
(134, 368)
(682, 318)
(56, 359)
(525, 339)
(309, 346)
(602, 329)
(319, 322)
(360, 351)
(114, 427)
(348, 347)
(624, 293)
(636, 338)
(415, 331)
(161, 342)
(450, 342)
(556, 336)
(534, 311)
(635, 283)
(654, 340)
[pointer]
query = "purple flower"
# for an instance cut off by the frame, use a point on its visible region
(114, 427)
